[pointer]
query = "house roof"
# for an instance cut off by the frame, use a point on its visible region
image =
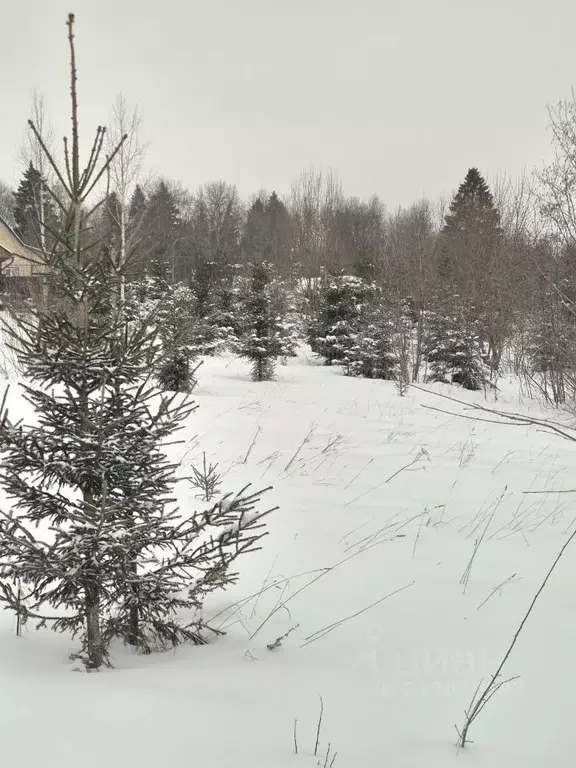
(13, 245)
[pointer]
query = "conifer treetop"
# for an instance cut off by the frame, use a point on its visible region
(473, 207)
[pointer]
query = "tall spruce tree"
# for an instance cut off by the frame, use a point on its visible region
(137, 205)
(470, 236)
(256, 234)
(471, 262)
(177, 333)
(160, 232)
(33, 209)
(280, 251)
(93, 531)
(280, 233)
(267, 234)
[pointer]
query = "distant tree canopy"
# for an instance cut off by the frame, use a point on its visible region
(267, 233)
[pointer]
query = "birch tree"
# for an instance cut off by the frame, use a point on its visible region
(125, 173)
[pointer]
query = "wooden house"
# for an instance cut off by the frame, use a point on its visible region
(16, 258)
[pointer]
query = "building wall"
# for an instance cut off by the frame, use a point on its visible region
(17, 259)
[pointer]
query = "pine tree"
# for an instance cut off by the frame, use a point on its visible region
(267, 234)
(170, 310)
(137, 204)
(256, 235)
(334, 326)
(204, 288)
(372, 353)
(93, 530)
(161, 223)
(261, 341)
(228, 314)
(287, 313)
(216, 317)
(137, 245)
(472, 208)
(470, 235)
(279, 225)
(177, 333)
(452, 344)
(33, 209)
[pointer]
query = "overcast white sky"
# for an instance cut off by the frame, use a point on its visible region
(400, 97)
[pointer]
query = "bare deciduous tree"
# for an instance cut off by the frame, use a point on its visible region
(125, 171)
(556, 187)
(32, 153)
(7, 204)
(314, 200)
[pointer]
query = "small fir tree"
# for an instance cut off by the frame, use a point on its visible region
(170, 309)
(372, 354)
(288, 315)
(381, 349)
(179, 345)
(261, 341)
(337, 309)
(215, 321)
(452, 344)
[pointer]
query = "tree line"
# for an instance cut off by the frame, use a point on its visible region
(486, 279)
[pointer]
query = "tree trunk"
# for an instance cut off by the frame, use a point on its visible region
(122, 252)
(133, 631)
(419, 345)
(94, 645)
(133, 636)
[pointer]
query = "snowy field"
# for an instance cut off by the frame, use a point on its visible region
(394, 679)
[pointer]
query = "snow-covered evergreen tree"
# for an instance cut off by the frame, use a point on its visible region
(337, 311)
(372, 354)
(217, 318)
(170, 310)
(264, 338)
(452, 344)
(176, 331)
(93, 539)
(381, 348)
(288, 314)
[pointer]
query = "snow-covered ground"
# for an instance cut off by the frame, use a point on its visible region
(395, 679)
